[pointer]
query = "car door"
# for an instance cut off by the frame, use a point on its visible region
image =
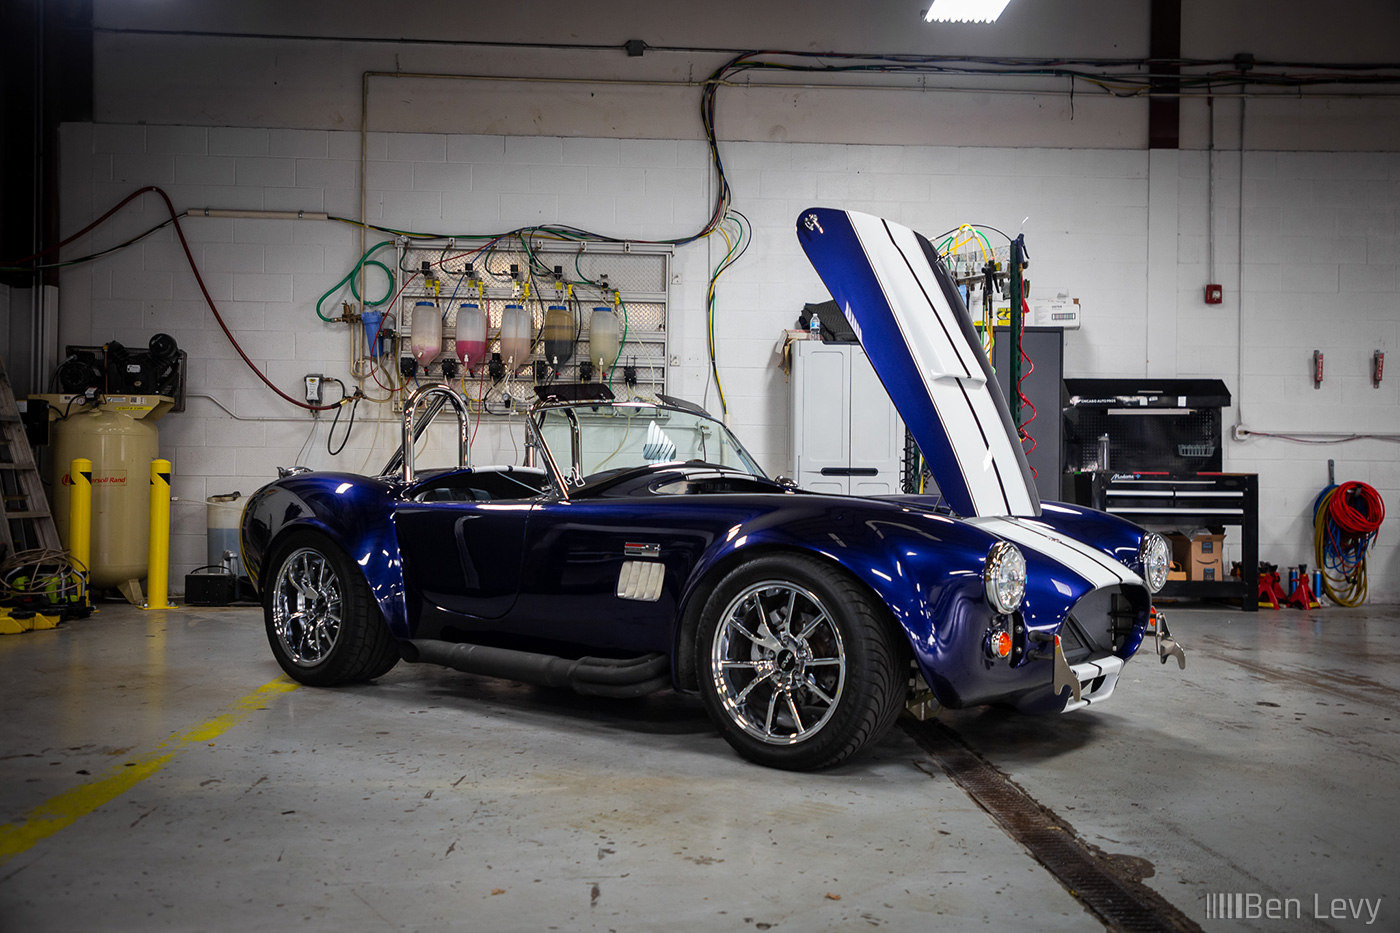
(608, 572)
(462, 563)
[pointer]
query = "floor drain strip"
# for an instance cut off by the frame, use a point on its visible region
(1122, 902)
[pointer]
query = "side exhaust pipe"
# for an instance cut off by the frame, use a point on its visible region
(605, 677)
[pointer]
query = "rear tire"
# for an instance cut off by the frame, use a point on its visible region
(798, 665)
(324, 626)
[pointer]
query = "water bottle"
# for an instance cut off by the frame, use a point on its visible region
(814, 328)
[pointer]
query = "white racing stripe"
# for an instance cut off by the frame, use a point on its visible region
(932, 339)
(1095, 566)
(1089, 671)
(952, 375)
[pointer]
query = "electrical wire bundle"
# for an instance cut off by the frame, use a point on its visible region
(1346, 520)
(947, 248)
(736, 245)
(41, 579)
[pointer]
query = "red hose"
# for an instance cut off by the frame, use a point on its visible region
(64, 242)
(1357, 509)
(1025, 373)
(209, 300)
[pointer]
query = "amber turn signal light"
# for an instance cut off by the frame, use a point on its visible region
(1001, 644)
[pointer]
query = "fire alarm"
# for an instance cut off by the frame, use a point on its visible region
(1214, 294)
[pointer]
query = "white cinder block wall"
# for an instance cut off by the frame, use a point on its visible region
(266, 275)
(1319, 273)
(1107, 220)
(1087, 231)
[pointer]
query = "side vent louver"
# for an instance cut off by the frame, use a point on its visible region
(641, 579)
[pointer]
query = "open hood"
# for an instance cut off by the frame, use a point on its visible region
(909, 317)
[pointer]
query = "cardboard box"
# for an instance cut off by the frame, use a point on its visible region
(1203, 556)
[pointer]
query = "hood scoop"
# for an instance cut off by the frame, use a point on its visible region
(908, 315)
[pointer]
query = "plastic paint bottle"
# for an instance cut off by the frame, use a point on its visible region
(515, 336)
(425, 333)
(604, 336)
(470, 334)
(558, 335)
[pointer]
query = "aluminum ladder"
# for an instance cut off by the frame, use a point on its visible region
(28, 523)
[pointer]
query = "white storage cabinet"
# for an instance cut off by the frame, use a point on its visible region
(846, 436)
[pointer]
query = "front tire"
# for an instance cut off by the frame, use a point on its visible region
(324, 627)
(798, 665)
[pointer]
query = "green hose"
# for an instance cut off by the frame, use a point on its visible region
(354, 289)
(621, 343)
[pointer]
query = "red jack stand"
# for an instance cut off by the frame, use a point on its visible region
(1302, 596)
(1271, 595)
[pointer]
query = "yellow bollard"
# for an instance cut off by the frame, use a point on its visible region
(158, 562)
(80, 520)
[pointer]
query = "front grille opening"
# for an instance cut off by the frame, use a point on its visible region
(1123, 615)
(1106, 617)
(1075, 644)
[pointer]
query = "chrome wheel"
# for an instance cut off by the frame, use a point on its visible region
(778, 662)
(307, 608)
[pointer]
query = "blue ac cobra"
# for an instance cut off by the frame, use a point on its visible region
(639, 547)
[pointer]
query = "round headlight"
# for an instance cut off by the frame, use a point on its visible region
(1155, 558)
(1005, 577)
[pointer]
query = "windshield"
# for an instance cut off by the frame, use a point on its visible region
(616, 437)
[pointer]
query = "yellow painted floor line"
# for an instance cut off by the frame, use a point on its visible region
(61, 811)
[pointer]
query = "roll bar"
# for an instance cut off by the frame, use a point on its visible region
(436, 395)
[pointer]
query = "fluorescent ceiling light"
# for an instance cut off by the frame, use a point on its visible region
(964, 11)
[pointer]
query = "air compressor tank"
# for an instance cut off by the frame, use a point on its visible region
(119, 436)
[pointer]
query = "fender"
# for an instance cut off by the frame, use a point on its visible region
(1116, 537)
(354, 511)
(936, 601)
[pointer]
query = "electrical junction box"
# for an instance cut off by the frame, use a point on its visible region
(1060, 311)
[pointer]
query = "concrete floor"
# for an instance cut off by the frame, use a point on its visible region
(437, 800)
